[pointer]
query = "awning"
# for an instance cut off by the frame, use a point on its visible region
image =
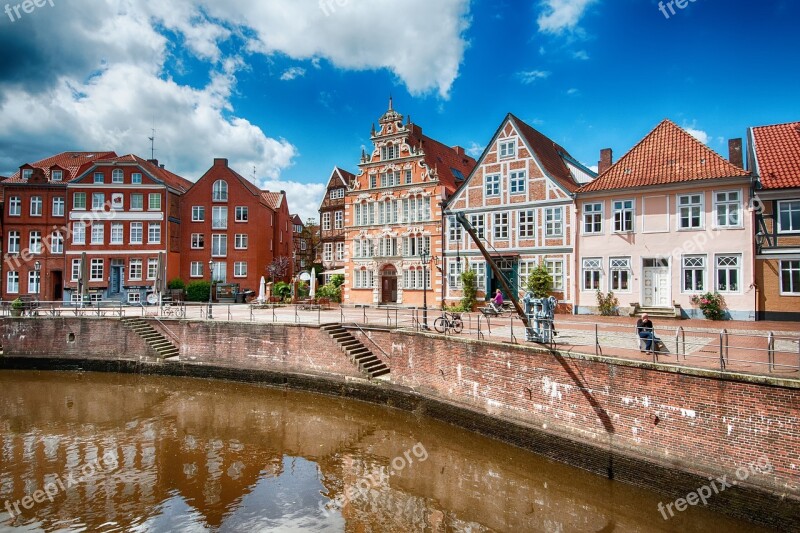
(333, 272)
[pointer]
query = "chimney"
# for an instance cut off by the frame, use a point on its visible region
(606, 160)
(735, 152)
(221, 161)
(153, 161)
(459, 150)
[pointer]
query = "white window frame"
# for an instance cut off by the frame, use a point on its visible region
(507, 149)
(135, 270)
(36, 206)
(198, 241)
(492, 185)
(12, 282)
(219, 191)
(240, 269)
(241, 213)
(791, 266)
(454, 270)
(240, 241)
(117, 235)
(35, 242)
(98, 201)
(590, 217)
(154, 233)
(554, 225)
(555, 267)
(689, 210)
(593, 265)
(621, 268)
(517, 181)
(14, 242)
(136, 232)
(478, 223)
(326, 221)
(154, 201)
(34, 282)
(500, 226)
(526, 223)
(14, 206)
(219, 245)
(718, 269)
(98, 233)
(152, 268)
(79, 201)
(338, 220)
(196, 269)
(697, 265)
(79, 233)
(793, 205)
(622, 214)
(117, 176)
(726, 207)
(137, 201)
(219, 217)
(97, 270)
(198, 213)
(58, 206)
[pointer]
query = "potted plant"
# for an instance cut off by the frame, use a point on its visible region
(712, 304)
(16, 307)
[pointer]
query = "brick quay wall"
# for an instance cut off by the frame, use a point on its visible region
(659, 426)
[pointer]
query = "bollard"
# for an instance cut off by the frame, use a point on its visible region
(771, 351)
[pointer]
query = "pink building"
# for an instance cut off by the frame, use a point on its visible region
(668, 221)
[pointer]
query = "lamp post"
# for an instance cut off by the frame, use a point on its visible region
(759, 241)
(210, 286)
(424, 257)
(37, 266)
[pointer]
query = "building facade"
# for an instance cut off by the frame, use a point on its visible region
(331, 223)
(394, 212)
(664, 224)
(519, 201)
(774, 158)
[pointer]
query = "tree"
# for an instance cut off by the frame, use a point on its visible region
(539, 282)
(469, 284)
(278, 268)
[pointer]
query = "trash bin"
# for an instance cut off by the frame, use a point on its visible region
(238, 297)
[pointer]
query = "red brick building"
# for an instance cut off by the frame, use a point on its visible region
(331, 223)
(124, 215)
(35, 225)
(232, 224)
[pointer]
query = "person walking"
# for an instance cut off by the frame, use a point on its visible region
(644, 328)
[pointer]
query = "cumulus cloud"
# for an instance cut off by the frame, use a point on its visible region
(573, 91)
(475, 150)
(292, 73)
(560, 16)
(697, 133)
(304, 198)
(529, 76)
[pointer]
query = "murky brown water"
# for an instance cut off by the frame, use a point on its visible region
(143, 453)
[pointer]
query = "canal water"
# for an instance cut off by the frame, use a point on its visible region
(107, 452)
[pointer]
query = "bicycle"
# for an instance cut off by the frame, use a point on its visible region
(448, 322)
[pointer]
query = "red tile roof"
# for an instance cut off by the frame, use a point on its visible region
(272, 199)
(668, 154)
(777, 154)
(550, 154)
(71, 162)
(340, 175)
(168, 178)
(452, 164)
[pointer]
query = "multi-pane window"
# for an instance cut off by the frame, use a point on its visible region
(96, 270)
(154, 201)
(694, 273)
(478, 223)
(136, 232)
(98, 200)
(592, 218)
(416, 209)
(12, 282)
(98, 177)
(219, 217)
(555, 267)
(790, 277)
(373, 181)
(116, 175)
(690, 211)
(362, 248)
(454, 229)
(14, 206)
(13, 242)
(386, 247)
(135, 269)
(728, 273)
(136, 178)
(198, 241)
(620, 273)
(219, 191)
(500, 226)
(198, 213)
(363, 279)
(623, 216)
(727, 206)
(79, 200)
(154, 233)
(134, 297)
(338, 219)
(508, 148)
(33, 281)
(492, 185)
(98, 233)
(78, 233)
(326, 221)
(240, 269)
(592, 271)
(58, 206)
(337, 194)
(516, 182)
(241, 213)
(57, 243)
(240, 241)
(454, 275)
(389, 151)
(416, 279)
(327, 251)
(117, 231)
(36, 206)
(340, 247)
(789, 216)
(137, 201)
(76, 269)
(414, 246)
(196, 269)
(527, 224)
(479, 268)
(390, 179)
(553, 221)
(152, 268)
(219, 245)
(408, 177)
(35, 242)
(56, 175)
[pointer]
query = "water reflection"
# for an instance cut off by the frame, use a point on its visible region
(193, 455)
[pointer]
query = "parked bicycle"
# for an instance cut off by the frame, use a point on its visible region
(177, 310)
(449, 322)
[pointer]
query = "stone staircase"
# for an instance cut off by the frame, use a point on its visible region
(360, 355)
(660, 312)
(164, 348)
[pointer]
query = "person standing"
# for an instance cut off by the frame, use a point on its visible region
(644, 328)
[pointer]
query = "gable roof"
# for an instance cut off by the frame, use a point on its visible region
(273, 199)
(296, 220)
(340, 178)
(151, 167)
(668, 154)
(72, 163)
(452, 164)
(776, 150)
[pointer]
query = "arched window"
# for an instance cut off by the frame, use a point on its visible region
(219, 192)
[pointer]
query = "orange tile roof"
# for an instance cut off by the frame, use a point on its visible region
(777, 154)
(169, 178)
(71, 162)
(272, 199)
(443, 158)
(668, 154)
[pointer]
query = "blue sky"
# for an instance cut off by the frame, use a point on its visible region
(292, 87)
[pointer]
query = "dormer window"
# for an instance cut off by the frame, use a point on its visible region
(136, 178)
(219, 191)
(116, 175)
(27, 173)
(98, 177)
(56, 175)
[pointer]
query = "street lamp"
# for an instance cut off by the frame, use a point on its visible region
(37, 266)
(424, 257)
(759, 241)
(210, 286)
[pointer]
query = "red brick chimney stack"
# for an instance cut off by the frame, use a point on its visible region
(606, 160)
(735, 152)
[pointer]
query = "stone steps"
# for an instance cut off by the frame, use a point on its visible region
(159, 343)
(361, 356)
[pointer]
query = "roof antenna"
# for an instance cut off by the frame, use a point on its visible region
(152, 144)
(254, 174)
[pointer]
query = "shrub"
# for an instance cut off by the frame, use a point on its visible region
(176, 284)
(330, 291)
(17, 304)
(539, 282)
(337, 280)
(469, 282)
(197, 291)
(608, 303)
(712, 304)
(282, 290)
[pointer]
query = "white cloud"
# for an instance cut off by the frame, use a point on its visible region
(529, 76)
(573, 91)
(581, 54)
(304, 198)
(559, 16)
(292, 73)
(474, 149)
(698, 134)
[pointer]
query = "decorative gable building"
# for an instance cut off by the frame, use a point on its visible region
(394, 211)
(774, 158)
(519, 200)
(665, 223)
(331, 223)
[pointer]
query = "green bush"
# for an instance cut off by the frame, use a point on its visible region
(330, 291)
(712, 304)
(607, 303)
(337, 280)
(282, 290)
(539, 282)
(197, 291)
(469, 291)
(176, 284)
(302, 289)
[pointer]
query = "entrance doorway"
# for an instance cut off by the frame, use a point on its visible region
(509, 267)
(58, 286)
(115, 286)
(655, 292)
(389, 285)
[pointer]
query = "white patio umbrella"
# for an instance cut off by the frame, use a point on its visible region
(262, 290)
(312, 284)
